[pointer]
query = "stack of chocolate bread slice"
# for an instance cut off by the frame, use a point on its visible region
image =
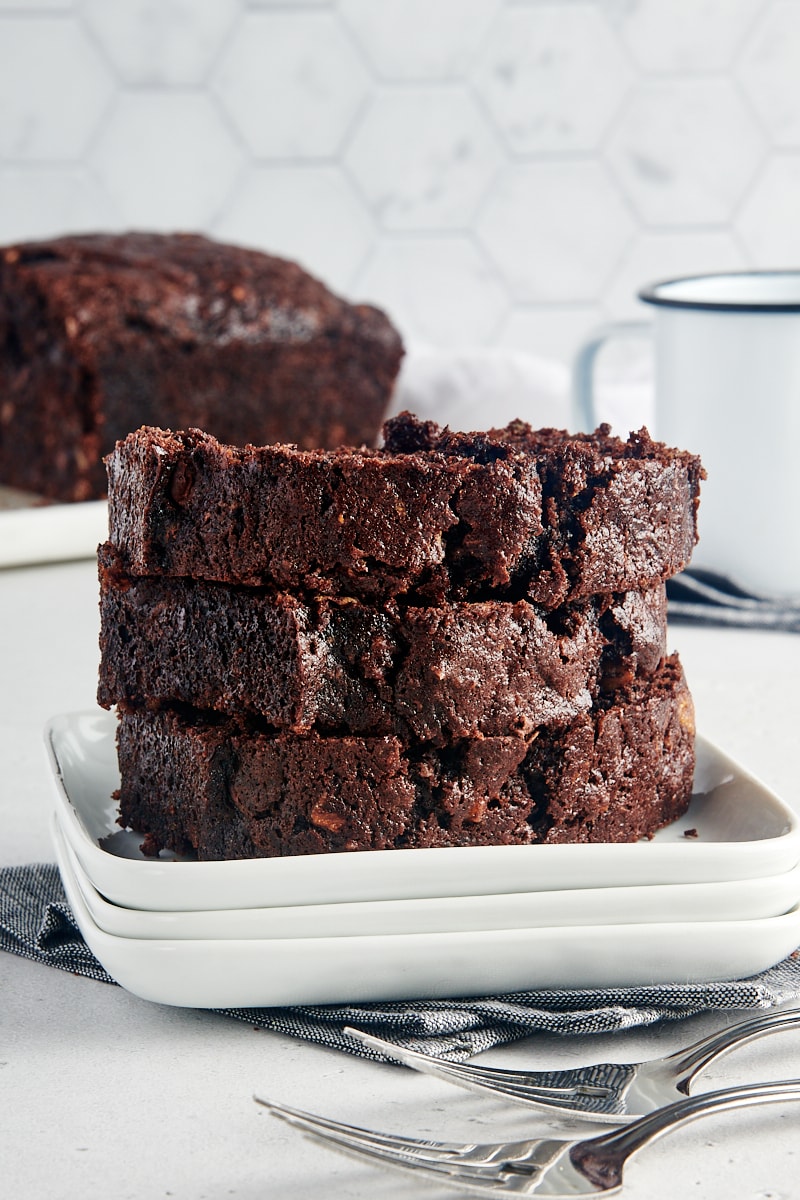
(456, 639)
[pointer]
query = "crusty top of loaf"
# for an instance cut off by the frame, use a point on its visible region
(192, 286)
(406, 434)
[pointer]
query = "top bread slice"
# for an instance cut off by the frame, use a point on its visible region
(432, 516)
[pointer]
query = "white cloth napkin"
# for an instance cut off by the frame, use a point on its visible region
(473, 388)
(477, 388)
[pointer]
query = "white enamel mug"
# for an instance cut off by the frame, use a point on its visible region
(727, 371)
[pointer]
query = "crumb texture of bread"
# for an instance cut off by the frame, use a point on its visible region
(617, 774)
(329, 665)
(103, 333)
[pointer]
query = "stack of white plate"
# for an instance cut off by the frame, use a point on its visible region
(713, 896)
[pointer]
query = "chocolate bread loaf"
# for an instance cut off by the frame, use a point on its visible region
(431, 517)
(218, 789)
(330, 665)
(100, 334)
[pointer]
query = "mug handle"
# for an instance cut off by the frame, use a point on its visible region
(583, 399)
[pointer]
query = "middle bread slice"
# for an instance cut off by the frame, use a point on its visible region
(318, 664)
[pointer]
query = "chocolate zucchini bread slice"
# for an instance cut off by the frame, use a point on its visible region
(101, 333)
(432, 516)
(331, 665)
(217, 789)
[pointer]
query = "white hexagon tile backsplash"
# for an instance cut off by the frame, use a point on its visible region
(496, 173)
(553, 77)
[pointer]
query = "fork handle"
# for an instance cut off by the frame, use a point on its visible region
(602, 1158)
(689, 1062)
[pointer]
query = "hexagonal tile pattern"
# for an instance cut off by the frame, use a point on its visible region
(423, 158)
(556, 230)
(685, 35)
(552, 77)
(656, 256)
(160, 41)
(417, 40)
(166, 159)
(505, 172)
(54, 88)
(440, 291)
(685, 151)
(40, 202)
(308, 213)
(769, 72)
(767, 223)
(292, 82)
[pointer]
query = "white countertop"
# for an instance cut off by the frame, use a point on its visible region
(107, 1096)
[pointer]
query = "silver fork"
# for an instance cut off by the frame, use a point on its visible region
(548, 1167)
(613, 1092)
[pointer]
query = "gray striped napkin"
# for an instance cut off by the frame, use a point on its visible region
(36, 922)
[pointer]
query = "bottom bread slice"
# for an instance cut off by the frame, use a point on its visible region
(201, 786)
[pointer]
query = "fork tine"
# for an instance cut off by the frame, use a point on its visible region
(313, 1123)
(515, 1085)
(416, 1150)
(430, 1064)
(423, 1062)
(464, 1176)
(396, 1152)
(474, 1154)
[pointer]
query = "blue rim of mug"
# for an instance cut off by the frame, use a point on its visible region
(651, 294)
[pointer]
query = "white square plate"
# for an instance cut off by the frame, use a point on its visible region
(737, 900)
(741, 831)
(236, 973)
